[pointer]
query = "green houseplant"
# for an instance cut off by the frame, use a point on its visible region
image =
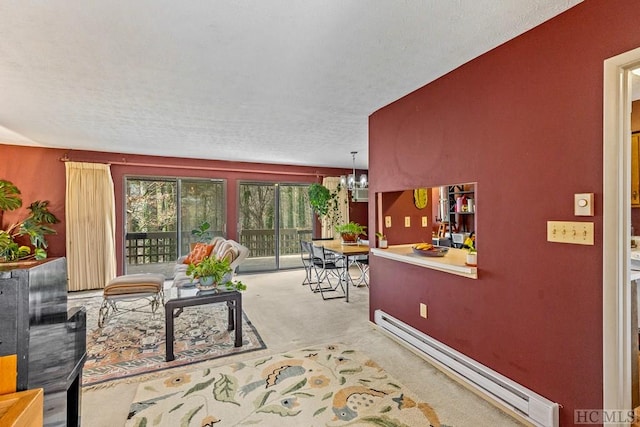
(382, 240)
(325, 203)
(350, 231)
(202, 233)
(213, 272)
(319, 198)
(35, 226)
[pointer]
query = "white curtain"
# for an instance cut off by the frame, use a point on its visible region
(91, 225)
(332, 182)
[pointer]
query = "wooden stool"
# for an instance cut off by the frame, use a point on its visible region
(131, 287)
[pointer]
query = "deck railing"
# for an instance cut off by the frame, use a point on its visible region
(162, 247)
(262, 242)
(151, 248)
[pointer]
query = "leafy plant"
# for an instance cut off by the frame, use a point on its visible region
(218, 269)
(35, 226)
(202, 232)
(381, 236)
(351, 228)
(325, 203)
(319, 197)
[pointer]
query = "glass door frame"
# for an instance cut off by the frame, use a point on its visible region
(276, 185)
(179, 181)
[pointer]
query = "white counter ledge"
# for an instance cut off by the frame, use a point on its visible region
(453, 262)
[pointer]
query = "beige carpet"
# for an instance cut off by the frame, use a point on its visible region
(290, 317)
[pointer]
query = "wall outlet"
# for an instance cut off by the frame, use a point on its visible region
(407, 221)
(424, 221)
(423, 310)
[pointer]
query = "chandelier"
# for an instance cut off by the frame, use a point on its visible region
(350, 181)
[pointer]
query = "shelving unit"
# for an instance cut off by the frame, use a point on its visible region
(461, 217)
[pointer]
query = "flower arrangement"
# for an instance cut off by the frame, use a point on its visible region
(472, 254)
(470, 243)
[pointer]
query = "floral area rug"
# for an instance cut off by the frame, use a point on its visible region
(326, 386)
(133, 343)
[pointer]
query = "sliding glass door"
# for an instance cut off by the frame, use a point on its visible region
(201, 201)
(159, 216)
(151, 233)
(272, 218)
(257, 225)
(295, 223)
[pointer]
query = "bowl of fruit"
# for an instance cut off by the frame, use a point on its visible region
(427, 249)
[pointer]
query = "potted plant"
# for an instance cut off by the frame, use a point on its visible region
(325, 203)
(202, 233)
(382, 240)
(350, 231)
(213, 272)
(319, 197)
(472, 253)
(35, 226)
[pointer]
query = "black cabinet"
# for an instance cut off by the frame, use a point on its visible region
(49, 341)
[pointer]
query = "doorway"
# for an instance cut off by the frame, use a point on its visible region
(618, 328)
(272, 219)
(160, 213)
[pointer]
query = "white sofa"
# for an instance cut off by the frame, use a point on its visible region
(222, 247)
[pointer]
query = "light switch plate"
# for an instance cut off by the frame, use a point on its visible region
(577, 233)
(387, 221)
(424, 221)
(407, 221)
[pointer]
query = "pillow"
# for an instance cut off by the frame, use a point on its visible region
(200, 251)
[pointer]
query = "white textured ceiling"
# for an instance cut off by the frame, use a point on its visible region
(276, 81)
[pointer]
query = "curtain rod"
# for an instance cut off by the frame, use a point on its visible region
(65, 158)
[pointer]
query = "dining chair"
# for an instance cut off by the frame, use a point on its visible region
(329, 270)
(362, 263)
(306, 255)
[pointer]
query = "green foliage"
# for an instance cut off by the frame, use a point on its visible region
(351, 228)
(35, 226)
(325, 203)
(319, 197)
(202, 233)
(381, 236)
(9, 196)
(219, 269)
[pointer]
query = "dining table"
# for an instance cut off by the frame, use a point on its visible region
(346, 250)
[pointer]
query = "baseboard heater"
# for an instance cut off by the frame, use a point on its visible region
(528, 404)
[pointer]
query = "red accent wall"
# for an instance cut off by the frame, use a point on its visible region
(398, 205)
(524, 121)
(358, 212)
(39, 174)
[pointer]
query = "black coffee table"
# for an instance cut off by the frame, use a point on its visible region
(188, 297)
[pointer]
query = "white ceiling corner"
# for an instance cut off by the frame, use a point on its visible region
(270, 81)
